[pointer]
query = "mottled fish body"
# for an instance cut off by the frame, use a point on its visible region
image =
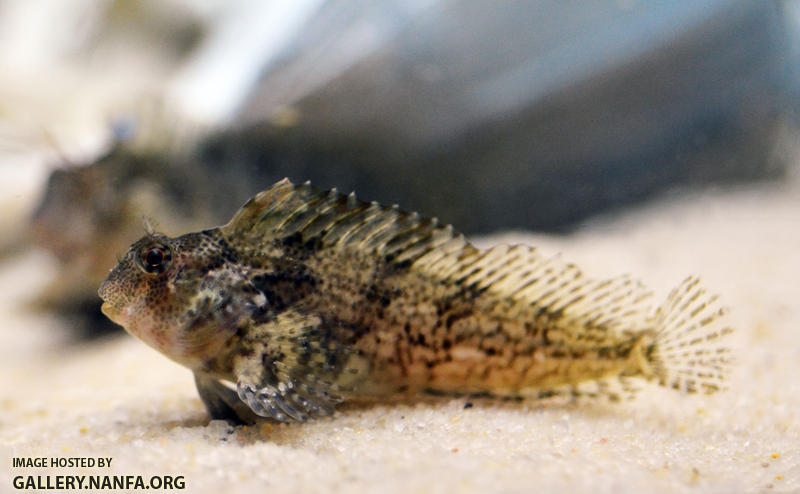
(308, 297)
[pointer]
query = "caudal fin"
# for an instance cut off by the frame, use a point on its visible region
(689, 353)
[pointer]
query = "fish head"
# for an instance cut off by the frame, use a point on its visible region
(168, 293)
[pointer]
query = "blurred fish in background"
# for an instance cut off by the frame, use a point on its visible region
(530, 115)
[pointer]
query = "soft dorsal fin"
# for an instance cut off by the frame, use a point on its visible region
(520, 274)
(339, 220)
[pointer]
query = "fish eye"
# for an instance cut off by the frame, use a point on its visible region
(155, 259)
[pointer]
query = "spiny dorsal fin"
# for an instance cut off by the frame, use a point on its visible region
(339, 220)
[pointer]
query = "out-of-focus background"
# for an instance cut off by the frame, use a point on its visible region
(530, 114)
(541, 115)
(533, 115)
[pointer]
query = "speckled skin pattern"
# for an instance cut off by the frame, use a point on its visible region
(308, 297)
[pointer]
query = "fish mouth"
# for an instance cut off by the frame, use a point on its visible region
(111, 311)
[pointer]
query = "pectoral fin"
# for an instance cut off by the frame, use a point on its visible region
(298, 369)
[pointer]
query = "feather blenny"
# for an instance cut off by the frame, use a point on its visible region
(310, 297)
